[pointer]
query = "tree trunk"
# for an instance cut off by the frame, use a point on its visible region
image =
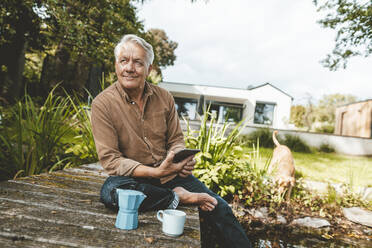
(15, 58)
(16, 68)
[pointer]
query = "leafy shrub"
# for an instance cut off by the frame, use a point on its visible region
(258, 188)
(31, 135)
(264, 135)
(217, 163)
(80, 145)
(36, 139)
(296, 144)
(325, 147)
(326, 205)
(326, 128)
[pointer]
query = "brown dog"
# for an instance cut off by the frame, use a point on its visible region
(283, 164)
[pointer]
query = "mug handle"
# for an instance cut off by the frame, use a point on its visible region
(159, 215)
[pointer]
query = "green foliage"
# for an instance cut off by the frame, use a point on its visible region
(217, 163)
(258, 188)
(319, 116)
(31, 135)
(263, 135)
(327, 105)
(37, 139)
(296, 144)
(240, 173)
(163, 49)
(325, 147)
(325, 128)
(264, 138)
(325, 205)
(71, 40)
(81, 145)
(352, 20)
(298, 113)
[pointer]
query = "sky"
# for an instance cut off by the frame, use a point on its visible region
(239, 43)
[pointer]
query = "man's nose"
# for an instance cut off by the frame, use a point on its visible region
(129, 67)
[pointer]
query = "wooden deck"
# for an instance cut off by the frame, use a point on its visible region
(62, 209)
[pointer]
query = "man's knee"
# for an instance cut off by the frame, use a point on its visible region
(108, 194)
(222, 205)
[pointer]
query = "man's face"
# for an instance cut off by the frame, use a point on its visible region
(131, 68)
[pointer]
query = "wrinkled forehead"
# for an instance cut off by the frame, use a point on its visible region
(132, 49)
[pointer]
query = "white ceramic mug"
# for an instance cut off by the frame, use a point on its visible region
(173, 221)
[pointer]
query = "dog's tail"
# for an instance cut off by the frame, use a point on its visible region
(276, 142)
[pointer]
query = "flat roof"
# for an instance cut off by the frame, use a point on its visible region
(226, 87)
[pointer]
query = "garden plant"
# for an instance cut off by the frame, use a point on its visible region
(37, 138)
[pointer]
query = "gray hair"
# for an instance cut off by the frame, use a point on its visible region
(138, 40)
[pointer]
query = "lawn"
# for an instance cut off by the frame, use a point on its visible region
(329, 167)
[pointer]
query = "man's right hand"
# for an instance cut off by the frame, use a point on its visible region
(167, 167)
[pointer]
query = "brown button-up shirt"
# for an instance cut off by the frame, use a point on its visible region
(125, 137)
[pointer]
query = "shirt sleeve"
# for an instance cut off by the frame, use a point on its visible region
(106, 141)
(175, 141)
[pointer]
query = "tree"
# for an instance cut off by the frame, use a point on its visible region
(84, 35)
(352, 20)
(20, 31)
(163, 49)
(76, 36)
(319, 116)
(297, 115)
(327, 106)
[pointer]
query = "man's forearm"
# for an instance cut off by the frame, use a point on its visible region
(145, 171)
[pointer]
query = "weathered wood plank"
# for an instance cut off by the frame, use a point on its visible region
(62, 209)
(89, 205)
(10, 240)
(85, 235)
(91, 216)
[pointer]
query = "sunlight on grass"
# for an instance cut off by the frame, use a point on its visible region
(329, 167)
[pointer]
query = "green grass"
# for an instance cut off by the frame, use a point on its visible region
(328, 167)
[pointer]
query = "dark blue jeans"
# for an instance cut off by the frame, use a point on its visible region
(229, 232)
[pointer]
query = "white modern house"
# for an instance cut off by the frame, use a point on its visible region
(262, 106)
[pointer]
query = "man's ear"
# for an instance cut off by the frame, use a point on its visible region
(150, 68)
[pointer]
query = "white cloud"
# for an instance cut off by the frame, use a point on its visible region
(239, 43)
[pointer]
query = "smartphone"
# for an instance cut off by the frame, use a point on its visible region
(182, 154)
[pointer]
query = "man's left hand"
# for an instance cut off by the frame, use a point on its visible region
(188, 168)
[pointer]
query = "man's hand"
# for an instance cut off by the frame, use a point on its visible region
(167, 167)
(183, 168)
(188, 168)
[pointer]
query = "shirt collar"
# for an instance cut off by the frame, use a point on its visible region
(148, 91)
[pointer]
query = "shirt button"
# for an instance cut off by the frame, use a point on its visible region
(145, 138)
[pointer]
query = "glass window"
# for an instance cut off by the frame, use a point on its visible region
(226, 111)
(264, 113)
(186, 107)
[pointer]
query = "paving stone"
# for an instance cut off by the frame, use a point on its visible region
(358, 215)
(311, 222)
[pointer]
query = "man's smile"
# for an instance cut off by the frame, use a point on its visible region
(130, 76)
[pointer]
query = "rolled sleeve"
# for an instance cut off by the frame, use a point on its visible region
(106, 141)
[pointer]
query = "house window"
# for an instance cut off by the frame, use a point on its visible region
(186, 107)
(264, 113)
(226, 111)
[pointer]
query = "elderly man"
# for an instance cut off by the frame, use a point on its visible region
(137, 132)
